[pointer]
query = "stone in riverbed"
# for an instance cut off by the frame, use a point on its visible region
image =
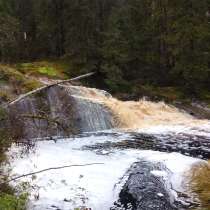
(145, 190)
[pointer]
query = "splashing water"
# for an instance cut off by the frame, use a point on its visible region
(96, 187)
(139, 114)
(143, 127)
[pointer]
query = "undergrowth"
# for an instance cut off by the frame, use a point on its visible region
(8, 198)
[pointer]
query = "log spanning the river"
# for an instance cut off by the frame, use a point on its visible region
(48, 86)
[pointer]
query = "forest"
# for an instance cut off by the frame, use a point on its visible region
(128, 43)
(104, 104)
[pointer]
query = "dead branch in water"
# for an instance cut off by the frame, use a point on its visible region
(48, 86)
(48, 169)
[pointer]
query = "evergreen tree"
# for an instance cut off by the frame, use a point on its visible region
(155, 42)
(9, 31)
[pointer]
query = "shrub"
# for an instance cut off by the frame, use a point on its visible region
(12, 202)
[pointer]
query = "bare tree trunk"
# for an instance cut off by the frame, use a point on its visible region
(48, 86)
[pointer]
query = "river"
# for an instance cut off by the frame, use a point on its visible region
(149, 159)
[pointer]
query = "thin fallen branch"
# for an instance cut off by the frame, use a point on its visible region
(48, 169)
(48, 86)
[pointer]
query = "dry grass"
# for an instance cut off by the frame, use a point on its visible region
(200, 184)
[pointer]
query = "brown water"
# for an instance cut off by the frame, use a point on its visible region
(145, 114)
(139, 114)
(96, 110)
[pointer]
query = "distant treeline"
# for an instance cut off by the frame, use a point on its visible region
(129, 42)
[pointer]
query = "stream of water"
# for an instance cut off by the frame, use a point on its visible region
(98, 186)
(145, 162)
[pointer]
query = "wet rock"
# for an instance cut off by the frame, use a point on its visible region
(190, 145)
(145, 191)
(197, 109)
(184, 143)
(58, 111)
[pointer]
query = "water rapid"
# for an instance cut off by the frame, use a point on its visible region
(141, 153)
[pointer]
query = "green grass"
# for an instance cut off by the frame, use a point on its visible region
(12, 202)
(56, 69)
(49, 71)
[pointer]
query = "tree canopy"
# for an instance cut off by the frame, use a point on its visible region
(158, 42)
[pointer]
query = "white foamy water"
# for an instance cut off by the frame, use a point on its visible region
(88, 186)
(98, 186)
(202, 129)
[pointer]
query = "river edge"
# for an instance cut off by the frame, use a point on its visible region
(197, 109)
(37, 160)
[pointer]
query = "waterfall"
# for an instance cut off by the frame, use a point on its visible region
(90, 112)
(60, 111)
(136, 166)
(92, 116)
(65, 109)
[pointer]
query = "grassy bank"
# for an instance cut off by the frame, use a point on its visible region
(55, 69)
(23, 77)
(14, 83)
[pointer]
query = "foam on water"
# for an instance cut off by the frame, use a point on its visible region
(98, 186)
(90, 186)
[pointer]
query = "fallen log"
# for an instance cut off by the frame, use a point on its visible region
(48, 86)
(48, 169)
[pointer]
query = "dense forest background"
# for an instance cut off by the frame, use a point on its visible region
(128, 43)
